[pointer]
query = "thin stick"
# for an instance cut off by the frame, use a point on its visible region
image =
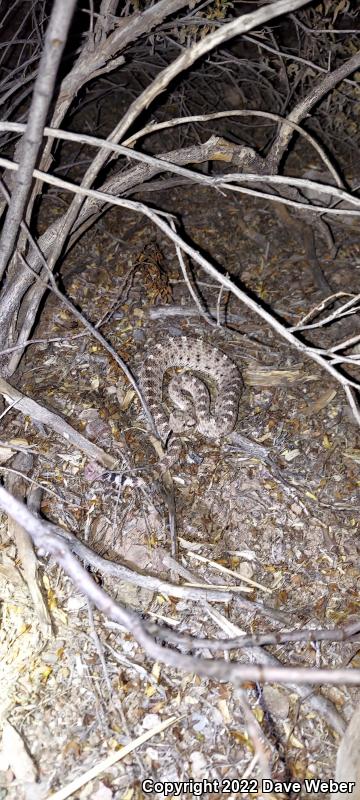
(104, 765)
(158, 219)
(44, 538)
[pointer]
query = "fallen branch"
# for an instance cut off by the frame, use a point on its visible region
(47, 541)
(224, 280)
(39, 413)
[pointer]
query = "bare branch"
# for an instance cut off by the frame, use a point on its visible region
(302, 109)
(31, 408)
(47, 541)
(224, 280)
(55, 39)
(184, 61)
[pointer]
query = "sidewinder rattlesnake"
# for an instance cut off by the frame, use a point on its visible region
(189, 394)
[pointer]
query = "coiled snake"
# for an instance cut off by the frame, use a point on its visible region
(189, 393)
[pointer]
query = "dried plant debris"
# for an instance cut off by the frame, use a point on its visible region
(275, 537)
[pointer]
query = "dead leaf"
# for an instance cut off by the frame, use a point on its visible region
(5, 454)
(224, 708)
(320, 403)
(124, 398)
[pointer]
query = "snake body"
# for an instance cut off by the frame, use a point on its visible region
(189, 393)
